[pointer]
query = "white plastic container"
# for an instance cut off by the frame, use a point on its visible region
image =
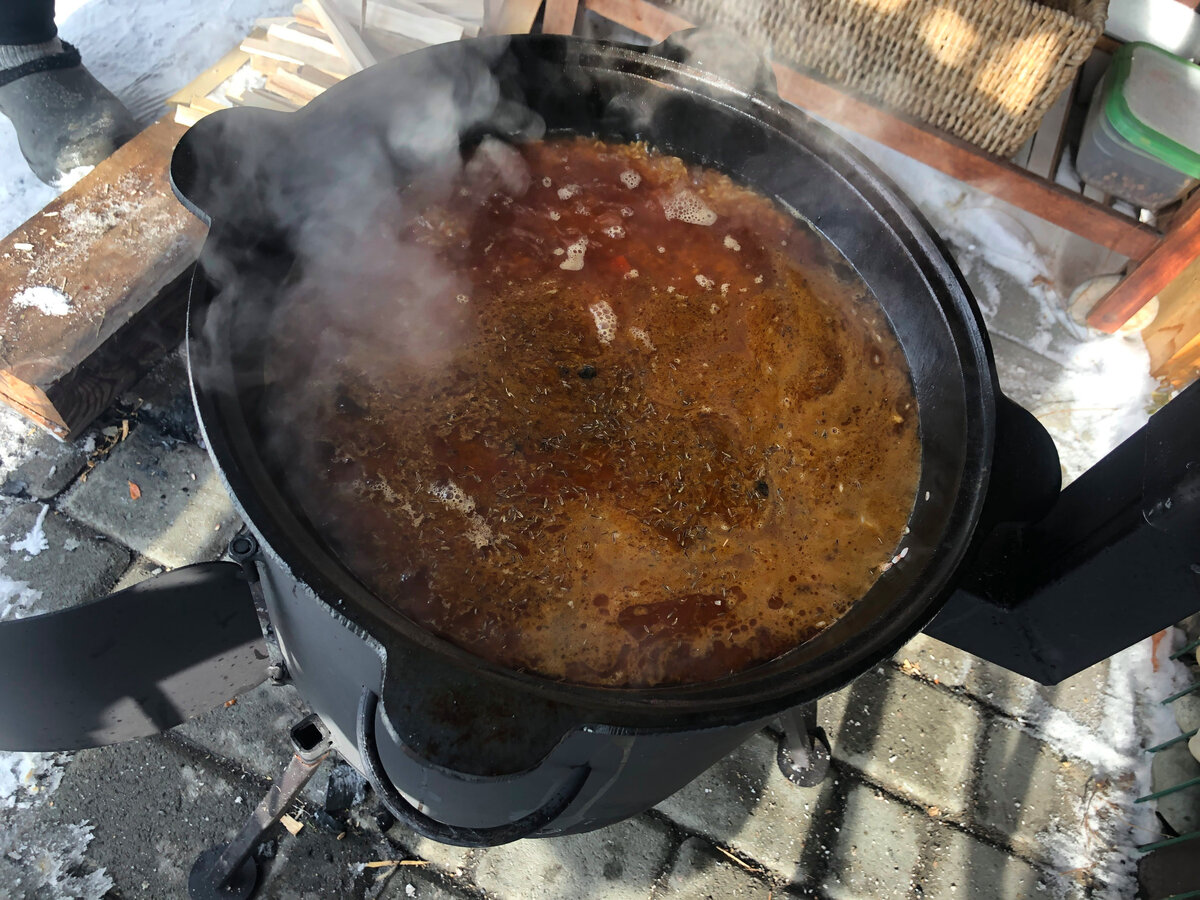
(1141, 139)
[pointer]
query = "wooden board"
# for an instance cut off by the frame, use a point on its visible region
(100, 259)
(1169, 258)
(208, 80)
(273, 48)
(941, 151)
(513, 17)
(348, 42)
(559, 17)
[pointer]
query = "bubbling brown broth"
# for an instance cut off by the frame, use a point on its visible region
(651, 431)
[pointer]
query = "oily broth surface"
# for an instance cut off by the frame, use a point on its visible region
(641, 435)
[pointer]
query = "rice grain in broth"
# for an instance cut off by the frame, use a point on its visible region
(650, 430)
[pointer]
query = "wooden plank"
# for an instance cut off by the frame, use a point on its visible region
(272, 48)
(446, 13)
(559, 16)
(295, 33)
(347, 40)
(257, 98)
(1179, 246)
(78, 276)
(208, 80)
(514, 17)
(941, 151)
(294, 87)
(426, 29)
(644, 18)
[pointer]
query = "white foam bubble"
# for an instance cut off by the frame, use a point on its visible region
(555, 215)
(463, 298)
(630, 178)
(451, 495)
(626, 211)
(631, 274)
(575, 252)
(642, 335)
(615, 231)
(731, 243)
(687, 207)
(546, 181)
(704, 281)
(566, 193)
(606, 321)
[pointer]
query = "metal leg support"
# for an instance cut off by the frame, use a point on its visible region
(228, 871)
(803, 754)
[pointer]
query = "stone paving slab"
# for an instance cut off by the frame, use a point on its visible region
(877, 850)
(183, 514)
(55, 558)
(961, 867)
(163, 398)
(1028, 794)
(1081, 696)
(33, 462)
(621, 862)
(909, 736)
(745, 803)
(701, 873)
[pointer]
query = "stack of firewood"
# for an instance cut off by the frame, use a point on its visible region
(287, 61)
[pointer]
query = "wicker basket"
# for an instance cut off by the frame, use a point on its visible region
(984, 70)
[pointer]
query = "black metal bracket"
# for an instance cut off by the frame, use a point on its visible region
(245, 551)
(803, 755)
(228, 871)
(1115, 560)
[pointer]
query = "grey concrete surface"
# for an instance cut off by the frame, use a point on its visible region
(877, 849)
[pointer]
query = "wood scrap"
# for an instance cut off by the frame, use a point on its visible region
(292, 86)
(208, 80)
(427, 29)
(100, 296)
(295, 33)
(344, 37)
(422, 8)
(273, 48)
(259, 98)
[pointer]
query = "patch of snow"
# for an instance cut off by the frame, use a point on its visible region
(1133, 720)
(26, 778)
(57, 864)
(46, 300)
(35, 541)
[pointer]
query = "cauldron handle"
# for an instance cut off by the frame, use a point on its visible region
(132, 664)
(431, 828)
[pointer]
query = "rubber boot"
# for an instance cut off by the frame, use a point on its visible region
(66, 120)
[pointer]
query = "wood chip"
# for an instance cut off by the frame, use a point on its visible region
(134, 491)
(229, 703)
(292, 825)
(745, 865)
(381, 863)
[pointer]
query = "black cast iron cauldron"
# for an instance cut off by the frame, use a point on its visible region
(477, 745)
(490, 755)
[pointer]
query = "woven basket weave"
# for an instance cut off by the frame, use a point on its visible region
(984, 70)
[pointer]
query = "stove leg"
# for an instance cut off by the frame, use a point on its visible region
(228, 871)
(803, 754)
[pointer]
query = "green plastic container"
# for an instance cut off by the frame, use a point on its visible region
(1141, 139)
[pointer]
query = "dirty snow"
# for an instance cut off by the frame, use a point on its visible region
(34, 541)
(56, 863)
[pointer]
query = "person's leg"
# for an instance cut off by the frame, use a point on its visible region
(24, 22)
(66, 121)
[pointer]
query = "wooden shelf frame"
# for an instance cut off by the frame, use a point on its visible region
(1157, 256)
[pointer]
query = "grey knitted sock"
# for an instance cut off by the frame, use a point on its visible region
(13, 55)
